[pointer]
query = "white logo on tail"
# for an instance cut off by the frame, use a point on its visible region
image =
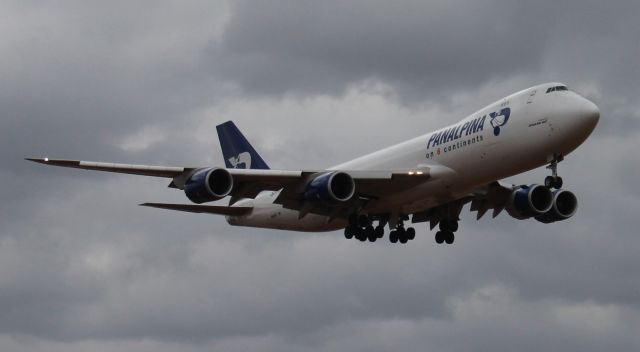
(242, 161)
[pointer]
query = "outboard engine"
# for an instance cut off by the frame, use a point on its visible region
(208, 185)
(529, 201)
(564, 206)
(330, 187)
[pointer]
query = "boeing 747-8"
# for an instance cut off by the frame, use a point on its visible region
(426, 179)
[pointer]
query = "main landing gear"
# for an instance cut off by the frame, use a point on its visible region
(447, 228)
(361, 228)
(554, 181)
(402, 235)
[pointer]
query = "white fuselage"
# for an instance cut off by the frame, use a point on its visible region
(468, 154)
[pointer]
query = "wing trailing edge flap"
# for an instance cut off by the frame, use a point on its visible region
(207, 209)
(449, 210)
(494, 196)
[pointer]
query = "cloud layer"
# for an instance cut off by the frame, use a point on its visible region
(311, 84)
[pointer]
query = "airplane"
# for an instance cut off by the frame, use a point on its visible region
(429, 178)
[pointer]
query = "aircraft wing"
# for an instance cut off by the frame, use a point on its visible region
(373, 183)
(248, 183)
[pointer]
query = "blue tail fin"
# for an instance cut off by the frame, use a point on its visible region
(236, 150)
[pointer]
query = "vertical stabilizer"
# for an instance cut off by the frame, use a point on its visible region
(236, 150)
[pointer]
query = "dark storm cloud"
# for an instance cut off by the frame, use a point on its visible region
(82, 267)
(323, 47)
(78, 71)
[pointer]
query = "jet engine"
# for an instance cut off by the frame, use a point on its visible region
(207, 185)
(530, 201)
(330, 187)
(564, 206)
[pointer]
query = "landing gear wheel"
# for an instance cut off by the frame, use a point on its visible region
(393, 236)
(402, 235)
(449, 225)
(371, 234)
(380, 231)
(553, 182)
(360, 235)
(439, 237)
(549, 181)
(411, 234)
(348, 232)
(449, 237)
(558, 183)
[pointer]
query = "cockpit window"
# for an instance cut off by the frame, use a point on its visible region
(557, 89)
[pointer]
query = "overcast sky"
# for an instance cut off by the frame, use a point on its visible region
(312, 84)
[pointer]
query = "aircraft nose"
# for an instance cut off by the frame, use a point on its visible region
(589, 112)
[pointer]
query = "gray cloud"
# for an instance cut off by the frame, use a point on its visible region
(82, 267)
(308, 47)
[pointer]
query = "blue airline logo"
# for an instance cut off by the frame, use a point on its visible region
(497, 120)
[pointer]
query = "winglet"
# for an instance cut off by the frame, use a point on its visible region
(38, 160)
(56, 162)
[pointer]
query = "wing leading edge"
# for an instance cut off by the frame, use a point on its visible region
(144, 170)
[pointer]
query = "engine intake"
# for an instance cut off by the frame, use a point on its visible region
(330, 187)
(208, 185)
(564, 206)
(529, 201)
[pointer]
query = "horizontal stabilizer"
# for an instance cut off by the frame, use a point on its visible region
(208, 209)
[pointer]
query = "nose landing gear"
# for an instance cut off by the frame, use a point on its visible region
(554, 181)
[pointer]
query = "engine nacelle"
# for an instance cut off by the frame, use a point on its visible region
(530, 201)
(330, 187)
(564, 206)
(207, 185)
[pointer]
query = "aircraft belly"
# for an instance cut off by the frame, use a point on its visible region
(425, 196)
(277, 217)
